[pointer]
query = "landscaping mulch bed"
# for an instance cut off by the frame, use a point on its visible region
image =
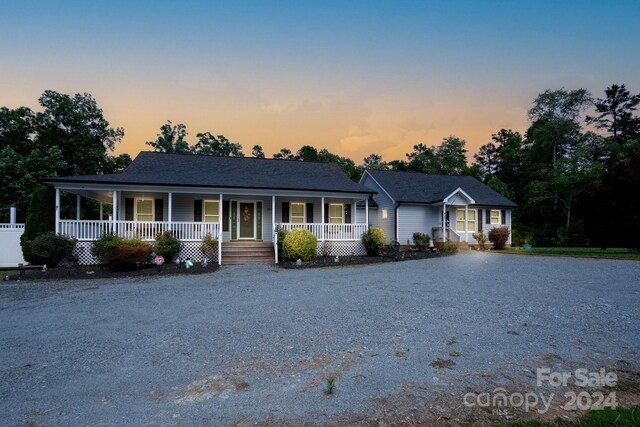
(86, 272)
(330, 261)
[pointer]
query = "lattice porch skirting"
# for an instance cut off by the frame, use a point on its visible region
(343, 248)
(187, 250)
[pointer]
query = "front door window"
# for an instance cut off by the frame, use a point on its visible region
(246, 217)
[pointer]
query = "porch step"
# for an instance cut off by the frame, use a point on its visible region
(463, 246)
(247, 252)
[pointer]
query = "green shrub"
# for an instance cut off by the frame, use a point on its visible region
(40, 220)
(499, 237)
(129, 254)
(373, 241)
(481, 239)
(281, 234)
(209, 246)
(300, 244)
(421, 240)
(121, 254)
(104, 247)
(450, 247)
(50, 248)
(167, 246)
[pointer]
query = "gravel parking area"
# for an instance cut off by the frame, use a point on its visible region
(403, 341)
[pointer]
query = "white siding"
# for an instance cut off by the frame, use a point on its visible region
(412, 218)
(317, 208)
(384, 202)
(486, 227)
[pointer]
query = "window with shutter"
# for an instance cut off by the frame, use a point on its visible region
(495, 216)
(144, 209)
(211, 211)
(297, 213)
(336, 213)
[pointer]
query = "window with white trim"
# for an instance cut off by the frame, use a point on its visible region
(297, 213)
(496, 216)
(144, 209)
(336, 213)
(460, 220)
(211, 211)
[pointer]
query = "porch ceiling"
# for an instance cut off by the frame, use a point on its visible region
(99, 195)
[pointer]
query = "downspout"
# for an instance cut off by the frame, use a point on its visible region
(395, 220)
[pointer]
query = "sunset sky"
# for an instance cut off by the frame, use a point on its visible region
(355, 77)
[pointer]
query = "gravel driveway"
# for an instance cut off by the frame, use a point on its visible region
(248, 344)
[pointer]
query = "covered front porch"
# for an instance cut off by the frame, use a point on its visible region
(226, 216)
(458, 222)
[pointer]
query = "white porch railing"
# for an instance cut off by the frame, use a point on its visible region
(87, 230)
(8, 226)
(329, 231)
(452, 236)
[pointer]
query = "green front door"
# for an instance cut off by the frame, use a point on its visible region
(246, 216)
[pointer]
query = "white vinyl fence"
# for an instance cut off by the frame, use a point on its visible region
(10, 250)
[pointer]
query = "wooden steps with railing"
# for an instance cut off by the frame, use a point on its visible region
(247, 252)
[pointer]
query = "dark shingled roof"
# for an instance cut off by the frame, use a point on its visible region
(414, 187)
(372, 203)
(191, 170)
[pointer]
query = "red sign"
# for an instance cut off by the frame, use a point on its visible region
(159, 260)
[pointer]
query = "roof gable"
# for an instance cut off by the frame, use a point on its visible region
(415, 187)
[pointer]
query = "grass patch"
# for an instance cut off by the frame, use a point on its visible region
(331, 386)
(610, 253)
(620, 417)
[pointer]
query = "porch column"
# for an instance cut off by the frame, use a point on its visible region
(273, 227)
(273, 214)
(366, 212)
(78, 207)
(220, 231)
(444, 222)
(114, 213)
(101, 210)
(466, 223)
(57, 210)
(322, 218)
(169, 208)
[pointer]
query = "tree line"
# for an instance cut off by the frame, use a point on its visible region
(572, 173)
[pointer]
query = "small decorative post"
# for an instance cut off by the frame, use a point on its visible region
(12, 214)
